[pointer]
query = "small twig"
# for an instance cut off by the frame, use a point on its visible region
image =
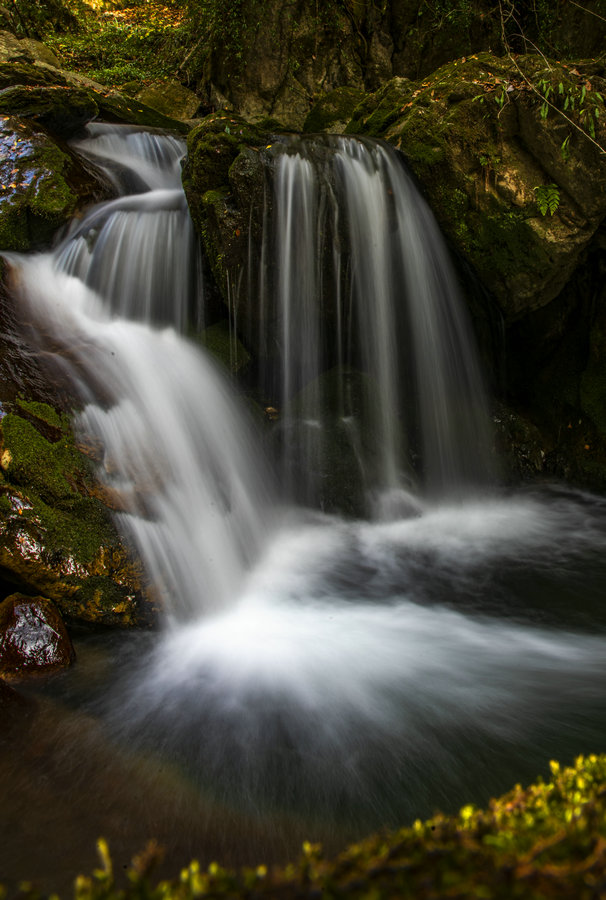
(535, 90)
(590, 11)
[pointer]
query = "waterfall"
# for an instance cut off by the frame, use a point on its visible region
(115, 296)
(323, 675)
(362, 288)
(379, 389)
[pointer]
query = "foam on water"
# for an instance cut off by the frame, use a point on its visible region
(366, 671)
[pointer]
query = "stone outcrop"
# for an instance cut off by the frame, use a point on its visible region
(489, 139)
(279, 58)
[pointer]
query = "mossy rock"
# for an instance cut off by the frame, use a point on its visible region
(28, 74)
(56, 530)
(170, 98)
(476, 136)
(61, 110)
(212, 147)
(219, 168)
(115, 107)
(42, 186)
(36, 198)
(332, 112)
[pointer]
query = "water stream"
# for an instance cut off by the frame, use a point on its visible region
(318, 676)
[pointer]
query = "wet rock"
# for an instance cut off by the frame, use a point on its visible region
(36, 198)
(56, 530)
(476, 135)
(59, 109)
(519, 446)
(33, 638)
(171, 99)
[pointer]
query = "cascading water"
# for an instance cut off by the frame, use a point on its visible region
(354, 673)
(362, 288)
(177, 449)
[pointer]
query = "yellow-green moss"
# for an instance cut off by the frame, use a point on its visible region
(35, 198)
(545, 841)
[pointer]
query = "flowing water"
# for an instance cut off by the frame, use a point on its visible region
(317, 677)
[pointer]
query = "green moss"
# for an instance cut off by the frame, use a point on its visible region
(57, 480)
(380, 110)
(35, 199)
(29, 459)
(60, 109)
(333, 111)
(44, 413)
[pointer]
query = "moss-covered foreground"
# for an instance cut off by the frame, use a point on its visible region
(544, 841)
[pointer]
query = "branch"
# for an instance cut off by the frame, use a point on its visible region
(530, 84)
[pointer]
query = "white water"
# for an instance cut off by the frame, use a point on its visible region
(360, 279)
(352, 672)
(179, 454)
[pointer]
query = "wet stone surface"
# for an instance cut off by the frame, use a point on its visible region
(33, 638)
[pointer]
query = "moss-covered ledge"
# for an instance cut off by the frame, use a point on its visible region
(482, 140)
(544, 841)
(57, 536)
(220, 147)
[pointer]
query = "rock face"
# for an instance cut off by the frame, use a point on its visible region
(476, 135)
(280, 57)
(489, 140)
(56, 532)
(492, 141)
(33, 638)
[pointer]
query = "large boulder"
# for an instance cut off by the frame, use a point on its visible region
(510, 155)
(486, 149)
(170, 98)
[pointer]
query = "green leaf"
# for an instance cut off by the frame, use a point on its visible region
(548, 198)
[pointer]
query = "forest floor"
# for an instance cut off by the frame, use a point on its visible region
(126, 43)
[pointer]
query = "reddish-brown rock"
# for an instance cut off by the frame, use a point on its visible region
(33, 637)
